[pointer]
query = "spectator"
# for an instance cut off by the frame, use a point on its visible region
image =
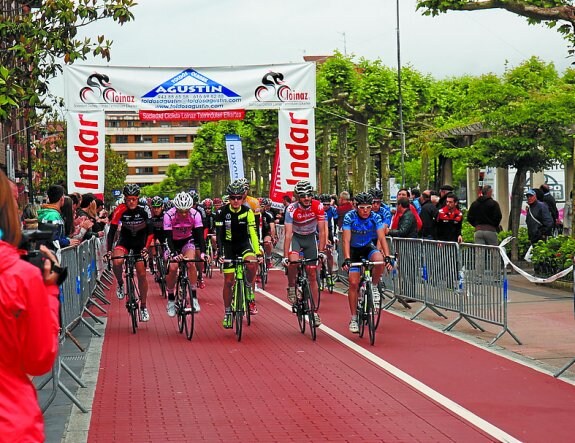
(428, 215)
(50, 214)
(538, 218)
(415, 199)
(550, 201)
(28, 327)
(30, 216)
(406, 223)
(449, 220)
(345, 205)
(75, 227)
(404, 193)
(443, 191)
(485, 216)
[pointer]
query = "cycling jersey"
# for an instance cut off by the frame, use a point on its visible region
(135, 229)
(385, 214)
(182, 228)
(363, 230)
(304, 220)
(158, 228)
(236, 227)
(267, 219)
(253, 203)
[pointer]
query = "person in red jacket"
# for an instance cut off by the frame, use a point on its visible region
(28, 327)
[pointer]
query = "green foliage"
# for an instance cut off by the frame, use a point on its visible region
(552, 256)
(522, 241)
(116, 172)
(467, 231)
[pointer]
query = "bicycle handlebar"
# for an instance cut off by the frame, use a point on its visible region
(367, 263)
(235, 261)
(187, 260)
(303, 260)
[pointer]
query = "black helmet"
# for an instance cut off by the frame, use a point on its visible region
(303, 187)
(195, 196)
(325, 198)
(131, 189)
(363, 198)
(157, 202)
(245, 183)
(376, 193)
(235, 188)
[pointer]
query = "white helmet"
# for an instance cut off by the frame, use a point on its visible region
(183, 201)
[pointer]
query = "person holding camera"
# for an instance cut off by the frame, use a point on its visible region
(28, 326)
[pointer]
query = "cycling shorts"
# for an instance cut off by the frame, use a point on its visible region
(125, 244)
(307, 244)
(357, 254)
(234, 251)
(182, 246)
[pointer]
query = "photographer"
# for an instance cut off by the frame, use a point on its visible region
(28, 326)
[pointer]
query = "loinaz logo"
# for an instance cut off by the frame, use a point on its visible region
(190, 81)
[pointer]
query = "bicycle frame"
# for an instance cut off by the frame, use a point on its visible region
(366, 311)
(239, 291)
(304, 305)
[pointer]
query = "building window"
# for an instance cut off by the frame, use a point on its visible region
(144, 139)
(162, 169)
(146, 124)
(130, 123)
(113, 124)
(123, 154)
(163, 154)
(144, 171)
(181, 139)
(144, 154)
(181, 154)
(163, 139)
(121, 139)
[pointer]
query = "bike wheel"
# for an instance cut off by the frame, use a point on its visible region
(300, 309)
(238, 309)
(209, 268)
(263, 274)
(370, 313)
(132, 304)
(361, 309)
(379, 307)
(330, 284)
(180, 307)
(309, 307)
(188, 311)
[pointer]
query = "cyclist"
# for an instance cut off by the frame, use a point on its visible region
(184, 233)
(135, 233)
(217, 204)
(210, 225)
(302, 219)
(237, 237)
(381, 209)
(269, 236)
(157, 222)
(199, 265)
(330, 216)
(360, 227)
(251, 202)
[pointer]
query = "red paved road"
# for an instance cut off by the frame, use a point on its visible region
(278, 385)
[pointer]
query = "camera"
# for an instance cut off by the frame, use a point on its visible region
(31, 241)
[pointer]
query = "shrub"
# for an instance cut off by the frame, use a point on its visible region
(552, 256)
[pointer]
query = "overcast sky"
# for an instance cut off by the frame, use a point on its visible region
(198, 33)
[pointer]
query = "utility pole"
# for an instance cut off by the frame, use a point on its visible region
(400, 100)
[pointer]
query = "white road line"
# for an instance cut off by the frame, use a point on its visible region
(447, 403)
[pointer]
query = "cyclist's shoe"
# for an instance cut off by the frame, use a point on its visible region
(120, 292)
(317, 319)
(253, 308)
(376, 296)
(201, 283)
(196, 304)
(171, 308)
(353, 326)
(227, 321)
(145, 315)
(291, 295)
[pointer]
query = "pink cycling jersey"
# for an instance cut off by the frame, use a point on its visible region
(304, 220)
(182, 225)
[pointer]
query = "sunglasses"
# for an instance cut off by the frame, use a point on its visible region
(305, 195)
(364, 207)
(236, 197)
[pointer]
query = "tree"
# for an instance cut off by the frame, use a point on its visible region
(36, 41)
(559, 14)
(116, 172)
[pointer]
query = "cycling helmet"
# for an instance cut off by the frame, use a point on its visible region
(157, 202)
(235, 188)
(225, 200)
(218, 201)
(245, 183)
(195, 196)
(266, 202)
(303, 187)
(208, 203)
(183, 201)
(143, 201)
(376, 193)
(168, 205)
(131, 189)
(325, 198)
(363, 198)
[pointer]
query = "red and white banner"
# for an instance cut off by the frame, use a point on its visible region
(86, 152)
(231, 114)
(296, 147)
(275, 183)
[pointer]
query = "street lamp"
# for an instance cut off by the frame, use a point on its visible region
(400, 99)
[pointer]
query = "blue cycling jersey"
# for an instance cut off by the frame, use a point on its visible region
(363, 230)
(385, 214)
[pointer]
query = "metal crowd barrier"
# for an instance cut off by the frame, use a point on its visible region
(80, 290)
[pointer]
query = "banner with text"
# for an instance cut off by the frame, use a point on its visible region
(86, 152)
(296, 147)
(123, 88)
(235, 156)
(275, 183)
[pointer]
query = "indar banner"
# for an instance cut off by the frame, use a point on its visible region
(86, 152)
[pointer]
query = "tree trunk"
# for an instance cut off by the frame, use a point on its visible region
(516, 201)
(424, 177)
(325, 174)
(342, 159)
(385, 173)
(363, 159)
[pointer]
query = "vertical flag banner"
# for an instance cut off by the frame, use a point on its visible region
(275, 182)
(235, 156)
(86, 152)
(296, 147)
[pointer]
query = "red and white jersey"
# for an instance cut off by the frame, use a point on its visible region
(304, 220)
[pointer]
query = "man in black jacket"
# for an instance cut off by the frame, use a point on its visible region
(428, 215)
(538, 219)
(485, 216)
(550, 200)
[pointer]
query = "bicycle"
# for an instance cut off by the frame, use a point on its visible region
(367, 314)
(184, 303)
(160, 265)
(325, 279)
(132, 292)
(240, 303)
(304, 305)
(263, 269)
(209, 266)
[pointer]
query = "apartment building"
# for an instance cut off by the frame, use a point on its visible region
(149, 147)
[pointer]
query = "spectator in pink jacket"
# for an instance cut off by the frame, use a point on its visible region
(28, 327)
